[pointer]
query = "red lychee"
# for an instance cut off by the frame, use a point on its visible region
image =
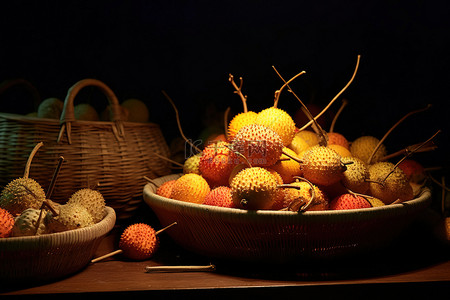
(219, 196)
(216, 163)
(349, 201)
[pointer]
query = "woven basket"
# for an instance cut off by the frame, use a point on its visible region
(51, 256)
(280, 236)
(116, 155)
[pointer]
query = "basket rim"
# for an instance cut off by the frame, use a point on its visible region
(31, 119)
(151, 198)
(102, 227)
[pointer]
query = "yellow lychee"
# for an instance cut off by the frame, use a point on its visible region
(356, 176)
(279, 121)
(322, 165)
(298, 144)
(190, 188)
(191, 164)
(388, 183)
(254, 188)
(308, 136)
(239, 121)
(287, 167)
(363, 147)
(297, 198)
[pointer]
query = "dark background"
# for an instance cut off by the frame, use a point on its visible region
(188, 48)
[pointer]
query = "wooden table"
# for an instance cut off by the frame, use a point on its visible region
(417, 264)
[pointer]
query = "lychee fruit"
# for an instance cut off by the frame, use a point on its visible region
(298, 144)
(190, 188)
(92, 200)
(20, 194)
(6, 223)
(349, 201)
(343, 152)
(309, 137)
(388, 183)
(254, 188)
(137, 110)
(219, 196)
(50, 108)
(260, 145)
(216, 163)
(413, 170)
(322, 165)
(364, 146)
(165, 189)
(295, 199)
(335, 138)
(25, 224)
(191, 164)
(70, 216)
(139, 241)
(287, 167)
(356, 176)
(279, 121)
(239, 121)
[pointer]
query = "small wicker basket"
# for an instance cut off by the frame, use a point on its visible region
(280, 236)
(51, 256)
(116, 155)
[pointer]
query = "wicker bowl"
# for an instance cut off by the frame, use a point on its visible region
(280, 236)
(51, 256)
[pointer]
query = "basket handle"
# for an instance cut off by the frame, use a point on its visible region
(68, 113)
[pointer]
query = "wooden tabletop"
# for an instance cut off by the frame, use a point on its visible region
(416, 263)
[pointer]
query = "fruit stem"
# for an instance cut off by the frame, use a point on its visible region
(239, 91)
(335, 97)
(410, 153)
(286, 83)
(313, 195)
(333, 122)
(225, 122)
(165, 228)
(149, 269)
(55, 176)
(168, 159)
(292, 157)
(392, 128)
(178, 122)
(30, 158)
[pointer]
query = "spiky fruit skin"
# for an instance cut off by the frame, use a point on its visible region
(6, 223)
(335, 138)
(322, 165)
(20, 194)
(70, 216)
(216, 163)
(190, 188)
(219, 196)
(413, 170)
(25, 224)
(278, 201)
(355, 177)
(309, 137)
(239, 121)
(300, 197)
(92, 200)
(298, 144)
(363, 147)
(165, 189)
(138, 241)
(287, 167)
(395, 186)
(259, 144)
(191, 164)
(349, 201)
(254, 188)
(279, 121)
(343, 152)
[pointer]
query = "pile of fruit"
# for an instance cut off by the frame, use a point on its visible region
(265, 162)
(26, 210)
